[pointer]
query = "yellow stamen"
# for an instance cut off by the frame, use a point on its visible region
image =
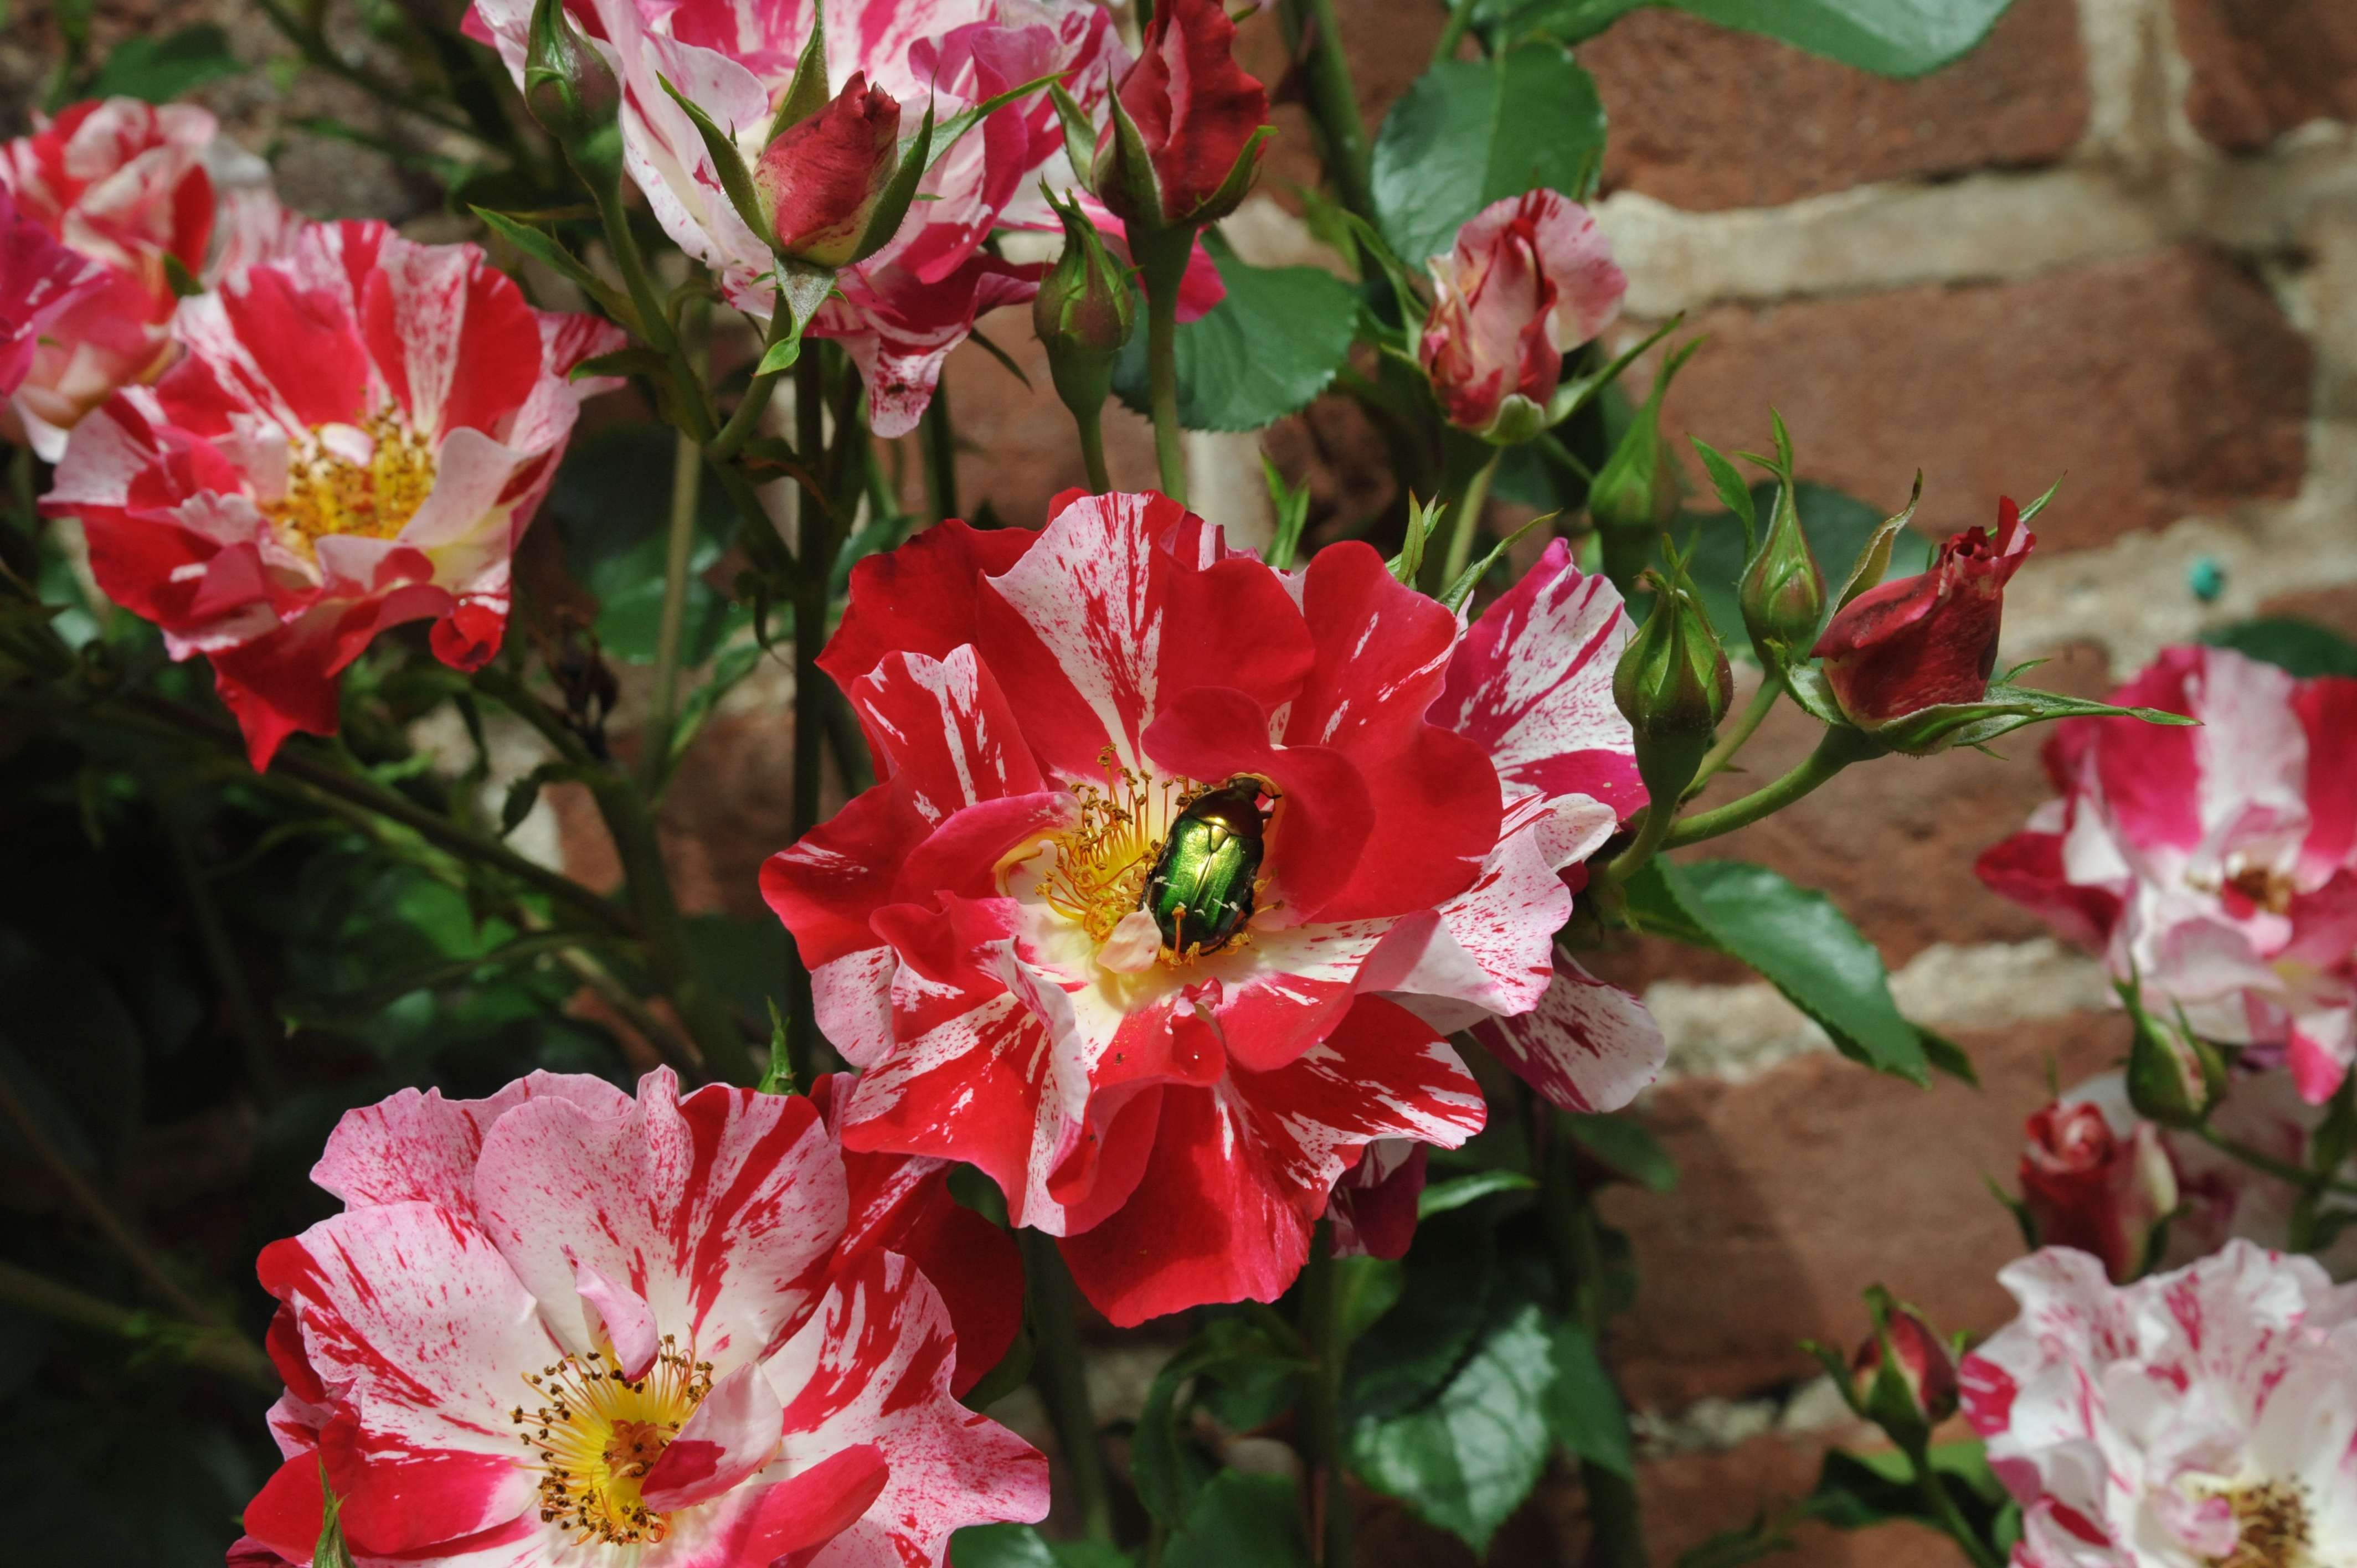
(330, 490)
(599, 1434)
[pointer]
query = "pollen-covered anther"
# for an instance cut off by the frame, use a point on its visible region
(1097, 876)
(2273, 1518)
(368, 480)
(599, 1436)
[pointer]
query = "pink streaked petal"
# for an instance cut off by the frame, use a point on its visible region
(1374, 1206)
(786, 1521)
(734, 1432)
(874, 1365)
(2327, 707)
(1289, 988)
(919, 598)
(944, 731)
(1586, 1047)
(853, 999)
(898, 327)
(719, 1210)
(1492, 947)
(1242, 1171)
(413, 1310)
(2029, 869)
(621, 1317)
(1532, 682)
(827, 886)
(406, 1505)
(419, 1147)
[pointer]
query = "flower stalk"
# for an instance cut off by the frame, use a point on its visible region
(1840, 746)
(1322, 1332)
(1163, 261)
(1053, 1304)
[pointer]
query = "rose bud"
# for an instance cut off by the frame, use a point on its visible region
(572, 93)
(1084, 313)
(1187, 124)
(1782, 592)
(820, 181)
(2101, 1187)
(1672, 684)
(2174, 1076)
(1529, 279)
(1635, 495)
(1924, 640)
(1913, 1388)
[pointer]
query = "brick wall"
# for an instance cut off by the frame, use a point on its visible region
(2119, 245)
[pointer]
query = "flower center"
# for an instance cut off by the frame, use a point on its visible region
(2270, 890)
(368, 478)
(1098, 867)
(2273, 1518)
(598, 1435)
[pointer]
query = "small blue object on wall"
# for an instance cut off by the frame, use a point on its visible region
(2206, 578)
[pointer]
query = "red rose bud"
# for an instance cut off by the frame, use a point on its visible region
(1918, 1392)
(1529, 279)
(818, 182)
(1196, 117)
(1924, 640)
(2085, 1185)
(573, 94)
(1084, 313)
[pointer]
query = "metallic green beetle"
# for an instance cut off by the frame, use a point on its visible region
(1201, 886)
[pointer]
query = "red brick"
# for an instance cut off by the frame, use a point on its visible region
(2160, 385)
(1800, 1188)
(2261, 67)
(2332, 608)
(1705, 117)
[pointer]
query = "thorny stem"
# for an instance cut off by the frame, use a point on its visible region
(1841, 746)
(1465, 520)
(686, 475)
(939, 435)
(1062, 1382)
(1092, 429)
(1333, 100)
(205, 1345)
(1321, 1306)
(1163, 259)
(1772, 687)
(814, 547)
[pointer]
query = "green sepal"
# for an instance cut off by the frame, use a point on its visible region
(1875, 559)
(779, 356)
(778, 1077)
(803, 288)
(545, 249)
(1889, 1402)
(1457, 592)
(892, 203)
(1125, 157)
(2034, 508)
(1350, 230)
(952, 129)
(1241, 173)
(2002, 710)
(735, 179)
(1291, 505)
(1421, 521)
(1580, 391)
(1837, 1367)
(2023, 1219)
(1080, 136)
(184, 283)
(331, 1550)
(2174, 1076)
(1733, 493)
(1807, 686)
(807, 93)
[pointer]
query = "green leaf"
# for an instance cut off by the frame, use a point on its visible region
(1262, 352)
(1409, 1355)
(1946, 1056)
(1584, 1409)
(2000, 711)
(1020, 1546)
(1441, 1196)
(1838, 528)
(631, 361)
(611, 503)
(1170, 1470)
(160, 69)
(1890, 37)
(1622, 1143)
(1457, 592)
(2302, 647)
(544, 249)
(1468, 1459)
(1805, 947)
(1291, 505)
(1242, 1521)
(1469, 133)
(1566, 21)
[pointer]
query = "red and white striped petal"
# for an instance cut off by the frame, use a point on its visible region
(419, 1147)
(943, 733)
(1490, 949)
(1586, 1047)
(734, 1432)
(874, 1366)
(921, 598)
(719, 1210)
(412, 1312)
(1532, 682)
(1242, 1170)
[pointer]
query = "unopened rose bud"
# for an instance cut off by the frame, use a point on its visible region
(1084, 313)
(1929, 640)
(820, 181)
(1672, 684)
(1635, 495)
(2174, 1076)
(1913, 1388)
(2100, 1183)
(1782, 592)
(573, 94)
(1190, 127)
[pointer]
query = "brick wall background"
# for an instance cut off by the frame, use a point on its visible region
(2118, 242)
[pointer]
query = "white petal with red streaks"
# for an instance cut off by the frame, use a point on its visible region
(734, 1432)
(412, 1311)
(1492, 947)
(1586, 1047)
(621, 1317)
(874, 1365)
(946, 730)
(719, 1210)
(422, 1147)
